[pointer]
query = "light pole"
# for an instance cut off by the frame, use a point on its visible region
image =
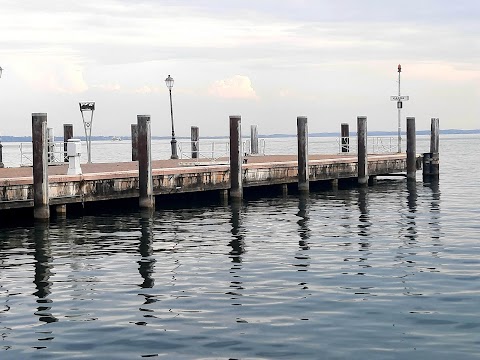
(169, 83)
(87, 125)
(399, 99)
(1, 146)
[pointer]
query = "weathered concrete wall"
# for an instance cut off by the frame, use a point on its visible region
(64, 189)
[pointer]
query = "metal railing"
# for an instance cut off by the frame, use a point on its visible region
(375, 145)
(55, 154)
(206, 150)
(214, 150)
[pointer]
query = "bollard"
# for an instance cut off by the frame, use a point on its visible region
(236, 160)
(362, 150)
(74, 151)
(345, 138)
(302, 139)
(41, 210)
(253, 139)
(411, 150)
(146, 199)
(134, 132)
(194, 137)
(67, 135)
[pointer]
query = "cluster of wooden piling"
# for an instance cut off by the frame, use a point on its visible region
(141, 152)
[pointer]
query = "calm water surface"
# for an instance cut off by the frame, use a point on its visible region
(388, 272)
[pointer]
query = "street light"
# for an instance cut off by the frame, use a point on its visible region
(87, 125)
(169, 83)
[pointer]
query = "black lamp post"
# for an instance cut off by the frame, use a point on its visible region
(169, 83)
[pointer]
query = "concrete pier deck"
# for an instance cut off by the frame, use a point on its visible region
(107, 181)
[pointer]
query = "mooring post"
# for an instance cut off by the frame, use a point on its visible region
(146, 199)
(236, 159)
(67, 135)
(253, 139)
(434, 135)
(362, 150)
(411, 150)
(431, 161)
(434, 147)
(302, 139)
(134, 136)
(41, 209)
(345, 138)
(194, 139)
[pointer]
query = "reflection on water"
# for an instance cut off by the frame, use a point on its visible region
(304, 233)
(412, 209)
(237, 245)
(286, 277)
(145, 248)
(43, 259)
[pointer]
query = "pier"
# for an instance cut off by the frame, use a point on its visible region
(53, 188)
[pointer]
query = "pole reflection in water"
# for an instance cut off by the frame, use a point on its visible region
(435, 208)
(364, 217)
(237, 243)
(145, 248)
(43, 259)
(304, 233)
(412, 209)
(146, 265)
(363, 227)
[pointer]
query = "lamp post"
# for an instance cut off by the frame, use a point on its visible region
(87, 125)
(399, 99)
(169, 83)
(1, 146)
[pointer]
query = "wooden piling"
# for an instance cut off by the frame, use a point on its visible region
(253, 139)
(362, 150)
(194, 139)
(41, 209)
(302, 139)
(345, 137)
(134, 136)
(434, 135)
(411, 150)
(1, 156)
(236, 158)
(146, 199)
(431, 160)
(67, 135)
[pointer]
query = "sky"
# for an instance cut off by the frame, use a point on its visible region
(266, 60)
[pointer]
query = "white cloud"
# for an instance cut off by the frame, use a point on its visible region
(236, 87)
(108, 87)
(51, 73)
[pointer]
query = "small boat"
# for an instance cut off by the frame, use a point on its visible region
(116, 138)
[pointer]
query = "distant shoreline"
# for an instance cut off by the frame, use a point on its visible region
(7, 138)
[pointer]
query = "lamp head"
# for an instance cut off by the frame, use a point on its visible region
(169, 82)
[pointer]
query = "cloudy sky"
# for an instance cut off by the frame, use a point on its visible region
(266, 60)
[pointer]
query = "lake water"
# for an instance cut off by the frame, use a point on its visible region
(388, 272)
